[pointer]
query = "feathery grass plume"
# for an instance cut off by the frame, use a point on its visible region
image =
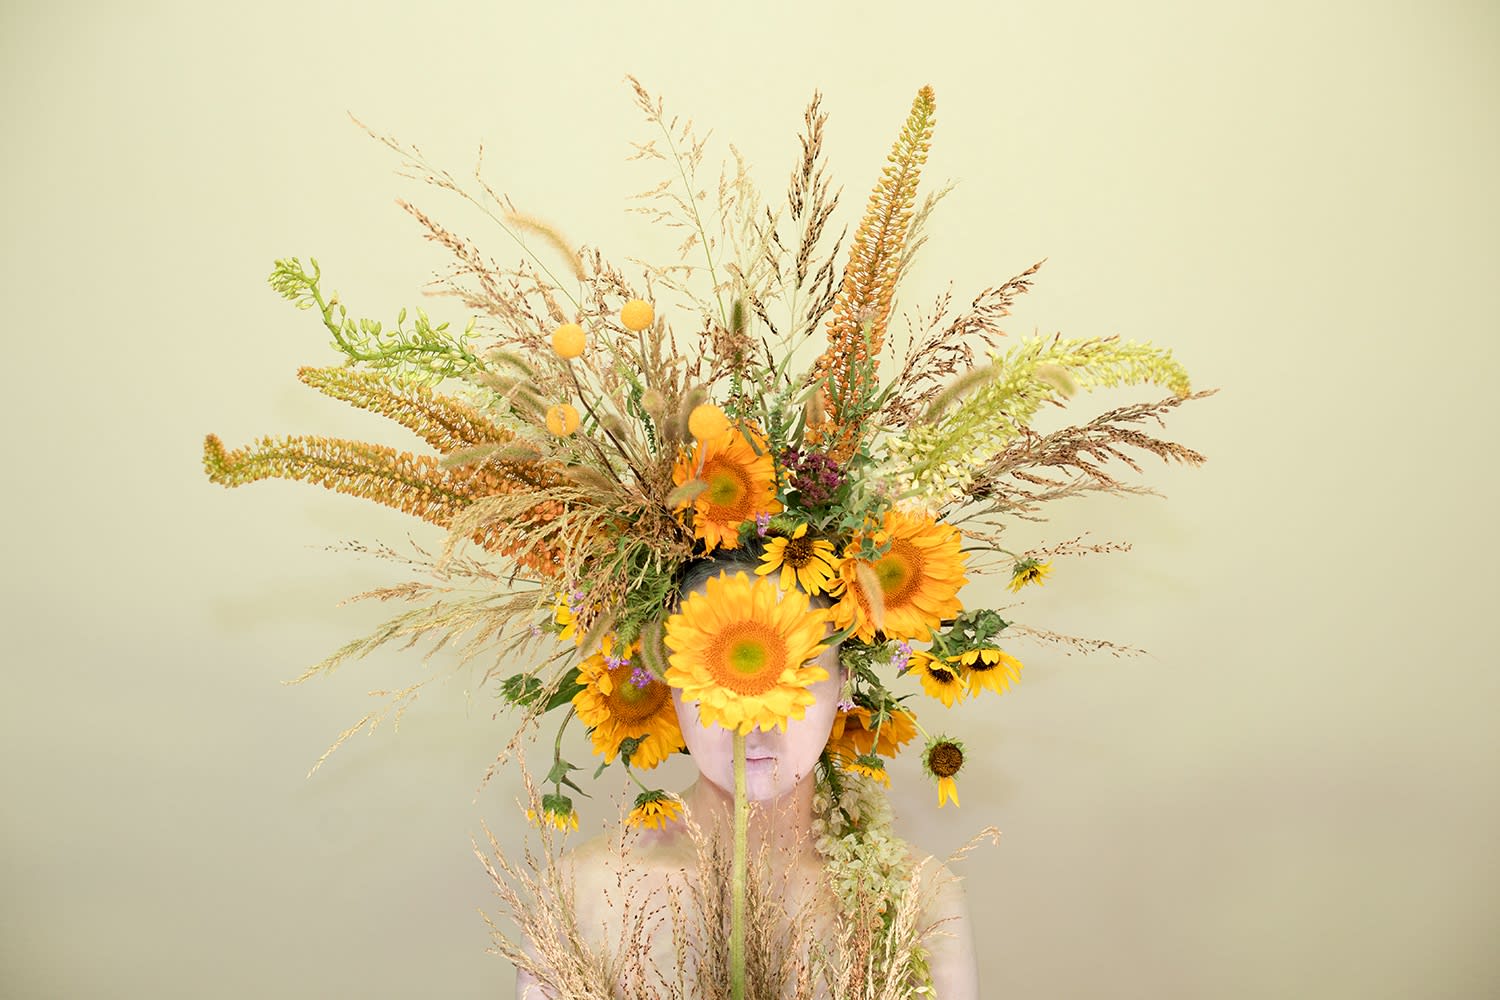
(946, 349)
(863, 306)
(552, 237)
(937, 462)
(1034, 469)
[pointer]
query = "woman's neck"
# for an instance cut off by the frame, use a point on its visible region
(781, 826)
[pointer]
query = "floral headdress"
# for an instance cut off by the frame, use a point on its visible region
(592, 440)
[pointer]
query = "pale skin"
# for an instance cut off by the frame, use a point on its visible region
(780, 783)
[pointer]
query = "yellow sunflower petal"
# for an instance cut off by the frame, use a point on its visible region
(744, 652)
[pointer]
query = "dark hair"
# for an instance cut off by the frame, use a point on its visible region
(699, 571)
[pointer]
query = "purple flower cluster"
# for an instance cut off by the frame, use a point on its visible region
(902, 659)
(814, 475)
(641, 677)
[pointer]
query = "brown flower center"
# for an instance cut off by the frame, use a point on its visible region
(798, 552)
(630, 703)
(945, 760)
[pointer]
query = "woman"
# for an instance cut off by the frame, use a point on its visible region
(611, 891)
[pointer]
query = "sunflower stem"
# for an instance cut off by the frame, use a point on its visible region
(737, 897)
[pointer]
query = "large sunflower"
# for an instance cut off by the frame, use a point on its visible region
(616, 705)
(741, 483)
(742, 650)
(919, 578)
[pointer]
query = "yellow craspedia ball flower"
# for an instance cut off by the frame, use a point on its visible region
(636, 315)
(568, 340)
(562, 419)
(707, 421)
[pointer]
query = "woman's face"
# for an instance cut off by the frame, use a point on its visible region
(775, 761)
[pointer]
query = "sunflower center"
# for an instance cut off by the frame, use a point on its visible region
(631, 703)
(945, 760)
(798, 552)
(942, 674)
(900, 571)
(728, 487)
(748, 658)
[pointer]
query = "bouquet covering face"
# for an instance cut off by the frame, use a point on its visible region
(594, 433)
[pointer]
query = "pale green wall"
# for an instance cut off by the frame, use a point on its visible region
(1294, 795)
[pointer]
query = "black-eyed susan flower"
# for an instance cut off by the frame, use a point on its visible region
(619, 702)
(744, 652)
(988, 667)
(654, 809)
(1028, 571)
(940, 678)
(919, 578)
(741, 483)
(557, 810)
(942, 760)
(803, 561)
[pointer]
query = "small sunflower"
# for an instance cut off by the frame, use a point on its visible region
(854, 733)
(808, 562)
(741, 483)
(557, 810)
(619, 702)
(940, 678)
(743, 651)
(943, 759)
(988, 667)
(654, 809)
(1028, 571)
(870, 766)
(919, 577)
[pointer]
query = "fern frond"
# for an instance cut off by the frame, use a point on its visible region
(862, 309)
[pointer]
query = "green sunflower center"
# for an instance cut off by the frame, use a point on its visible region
(728, 486)
(631, 703)
(748, 658)
(900, 571)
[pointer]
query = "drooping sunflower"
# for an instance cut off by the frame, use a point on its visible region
(870, 766)
(557, 811)
(741, 483)
(919, 579)
(853, 733)
(619, 702)
(808, 562)
(743, 651)
(943, 759)
(654, 809)
(940, 678)
(1028, 571)
(988, 667)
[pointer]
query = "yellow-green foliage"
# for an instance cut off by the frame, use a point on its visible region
(936, 458)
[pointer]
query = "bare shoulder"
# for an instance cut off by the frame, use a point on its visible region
(949, 933)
